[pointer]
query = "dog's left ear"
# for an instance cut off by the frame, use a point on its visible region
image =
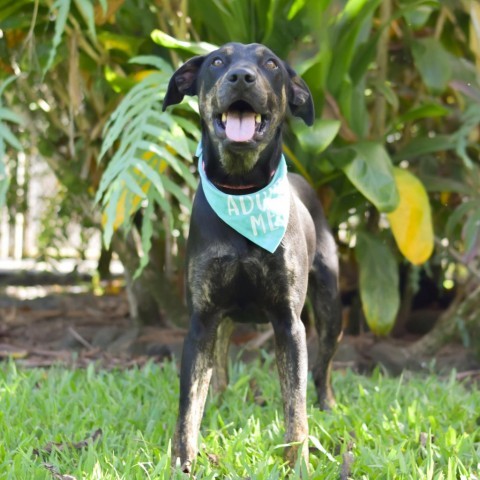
(183, 82)
(300, 98)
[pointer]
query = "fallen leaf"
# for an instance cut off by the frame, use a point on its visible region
(56, 473)
(50, 446)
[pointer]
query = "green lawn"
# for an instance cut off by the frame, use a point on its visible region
(383, 428)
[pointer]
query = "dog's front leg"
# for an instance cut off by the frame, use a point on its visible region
(195, 374)
(292, 362)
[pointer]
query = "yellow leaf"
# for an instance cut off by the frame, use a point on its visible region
(120, 210)
(155, 162)
(119, 214)
(411, 221)
(139, 76)
(475, 31)
(445, 197)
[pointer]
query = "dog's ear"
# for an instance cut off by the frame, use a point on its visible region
(183, 82)
(300, 98)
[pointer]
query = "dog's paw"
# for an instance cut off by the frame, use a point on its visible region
(186, 467)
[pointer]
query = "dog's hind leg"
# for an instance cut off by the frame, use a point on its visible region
(325, 300)
(220, 356)
(196, 372)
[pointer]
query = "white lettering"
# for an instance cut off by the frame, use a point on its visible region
(257, 222)
(273, 222)
(232, 206)
(246, 209)
(261, 204)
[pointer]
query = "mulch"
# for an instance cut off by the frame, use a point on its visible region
(74, 329)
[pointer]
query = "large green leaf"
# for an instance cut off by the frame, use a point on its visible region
(196, 48)
(378, 283)
(427, 110)
(318, 137)
(423, 145)
(433, 63)
(353, 23)
(370, 169)
(418, 17)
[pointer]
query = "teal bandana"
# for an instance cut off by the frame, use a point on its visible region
(261, 217)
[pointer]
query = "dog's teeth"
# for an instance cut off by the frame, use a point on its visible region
(258, 118)
(224, 118)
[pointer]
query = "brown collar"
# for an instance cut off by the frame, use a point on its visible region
(235, 187)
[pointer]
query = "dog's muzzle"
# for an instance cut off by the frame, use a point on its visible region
(241, 117)
(241, 123)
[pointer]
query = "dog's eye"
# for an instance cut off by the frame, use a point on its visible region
(271, 64)
(217, 62)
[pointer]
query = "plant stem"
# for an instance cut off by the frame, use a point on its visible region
(380, 115)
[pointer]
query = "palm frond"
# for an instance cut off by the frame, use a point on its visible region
(152, 159)
(6, 138)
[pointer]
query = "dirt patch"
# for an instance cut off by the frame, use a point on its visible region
(76, 328)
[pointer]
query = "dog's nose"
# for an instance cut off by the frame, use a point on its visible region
(243, 76)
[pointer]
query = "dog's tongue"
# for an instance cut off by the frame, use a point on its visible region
(240, 126)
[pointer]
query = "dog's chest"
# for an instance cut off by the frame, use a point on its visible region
(226, 279)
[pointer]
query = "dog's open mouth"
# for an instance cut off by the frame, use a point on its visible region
(241, 123)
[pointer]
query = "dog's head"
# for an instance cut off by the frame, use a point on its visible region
(244, 94)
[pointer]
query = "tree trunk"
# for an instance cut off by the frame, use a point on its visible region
(465, 308)
(152, 298)
(103, 267)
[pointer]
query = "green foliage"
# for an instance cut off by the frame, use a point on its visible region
(6, 138)
(374, 121)
(276, 23)
(378, 282)
(369, 168)
(433, 63)
(402, 81)
(318, 137)
(395, 84)
(402, 428)
(150, 143)
(61, 9)
(197, 48)
(55, 227)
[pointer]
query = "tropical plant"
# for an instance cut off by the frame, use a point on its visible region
(393, 153)
(392, 81)
(70, 62)
(150, 142)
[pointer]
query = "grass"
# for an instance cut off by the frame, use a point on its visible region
(383, 428)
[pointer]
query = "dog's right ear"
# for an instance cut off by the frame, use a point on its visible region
(183, 82)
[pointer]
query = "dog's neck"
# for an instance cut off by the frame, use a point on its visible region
(249, 180)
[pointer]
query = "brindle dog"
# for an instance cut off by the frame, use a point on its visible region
(245, 92)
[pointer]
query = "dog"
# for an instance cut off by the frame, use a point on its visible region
(245, 93)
